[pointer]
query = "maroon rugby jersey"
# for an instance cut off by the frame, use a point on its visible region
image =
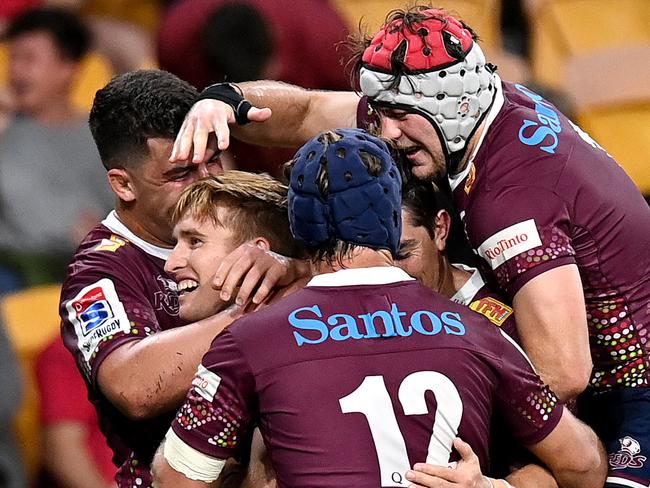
(355, 378)
(540, 193)
(117, 291)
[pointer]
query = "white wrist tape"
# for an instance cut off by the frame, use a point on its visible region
(188, 461)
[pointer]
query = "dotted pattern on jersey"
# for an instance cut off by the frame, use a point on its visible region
(197, 411)
(538, 406)
(617, 350)
(134, 474)
(555, 244)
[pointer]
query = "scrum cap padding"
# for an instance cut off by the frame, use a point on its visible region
(432, 68)
(359, 206)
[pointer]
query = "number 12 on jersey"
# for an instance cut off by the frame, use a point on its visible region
(371, 399)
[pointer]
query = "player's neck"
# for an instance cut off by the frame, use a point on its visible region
(471, 147)
(134, 224)
(361, 257)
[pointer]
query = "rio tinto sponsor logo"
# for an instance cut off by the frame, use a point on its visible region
(510, 242)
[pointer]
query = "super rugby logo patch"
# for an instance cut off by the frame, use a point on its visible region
(510, 242)
(96, 312)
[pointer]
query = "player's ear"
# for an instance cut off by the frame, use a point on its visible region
(262, 243)
(121, 184)
(442, 226)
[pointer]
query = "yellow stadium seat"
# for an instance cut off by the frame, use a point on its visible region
(481, 15)
(610, 90)
(561, 29)
(95, 72)
(32, 321)
(144, 13)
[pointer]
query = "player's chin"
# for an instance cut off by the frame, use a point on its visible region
(427, 172)
(195, 310)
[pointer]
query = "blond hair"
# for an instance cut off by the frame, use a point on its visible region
(256, 203)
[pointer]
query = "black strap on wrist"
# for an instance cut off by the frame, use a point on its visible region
(230, 94)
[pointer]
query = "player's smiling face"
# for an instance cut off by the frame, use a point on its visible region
(415, 135)
(200, 247)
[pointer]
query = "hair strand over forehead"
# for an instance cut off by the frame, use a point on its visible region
(256, 204)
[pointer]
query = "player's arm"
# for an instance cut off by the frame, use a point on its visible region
(224, 383)
(146, 377)
(573, 453)
(182, 471)
(288, 116)
(260, 471)
(552, 326)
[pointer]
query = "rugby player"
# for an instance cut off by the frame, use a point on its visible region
(425, 253)
(316, 370)
(119, 308)
(559, 225)
(215, 215)
(211, 219)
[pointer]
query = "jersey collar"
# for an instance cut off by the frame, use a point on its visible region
(379, 275)
(468, 291)
(113, 223)
(457, 179)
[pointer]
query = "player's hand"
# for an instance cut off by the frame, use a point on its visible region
(254, 269)
(204, 118)
(466, 474)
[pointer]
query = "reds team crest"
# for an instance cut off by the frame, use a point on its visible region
(628, 455)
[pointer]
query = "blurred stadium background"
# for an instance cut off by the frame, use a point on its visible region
(590, 57)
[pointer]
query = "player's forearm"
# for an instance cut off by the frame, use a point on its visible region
(148, 377)
(298, 113)
(573, 453)
(531, 476)
(589, 466)
(552, 325)
(165, 476)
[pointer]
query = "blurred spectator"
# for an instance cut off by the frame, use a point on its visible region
(11, 468)
(75, 452)
(122, 29)
(209, 41)
(12, 8)
(52, 187)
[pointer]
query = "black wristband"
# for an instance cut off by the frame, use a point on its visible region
(230, 94)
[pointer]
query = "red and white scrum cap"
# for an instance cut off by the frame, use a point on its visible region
(430, 64)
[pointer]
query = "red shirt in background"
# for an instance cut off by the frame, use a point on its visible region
(64, 398)
(12, 8)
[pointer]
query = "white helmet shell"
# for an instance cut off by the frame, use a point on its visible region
(453, 98)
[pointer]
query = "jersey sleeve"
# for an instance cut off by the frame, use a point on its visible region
(521, 233)
(102, 308)
(217, 415)
(529, 407)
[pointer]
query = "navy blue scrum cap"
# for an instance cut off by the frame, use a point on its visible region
(361, 206)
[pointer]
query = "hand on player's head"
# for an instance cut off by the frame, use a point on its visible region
(256, 271)
(205, 118)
